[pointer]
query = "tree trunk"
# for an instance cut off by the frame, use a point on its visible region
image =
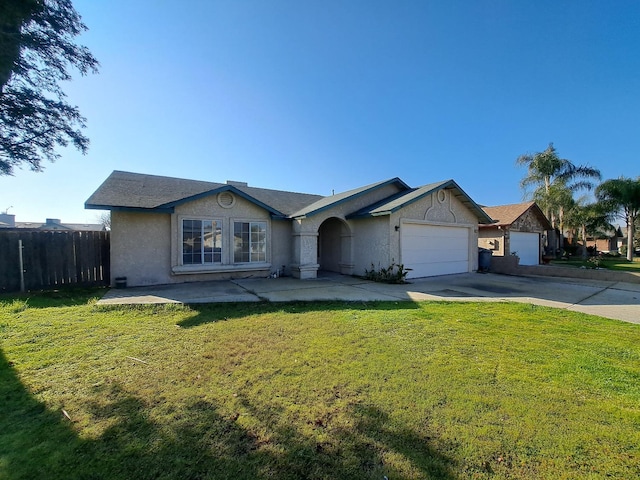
(630, 233)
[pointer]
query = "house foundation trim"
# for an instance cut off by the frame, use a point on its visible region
(304, 272)
(346, 268)
(191, 270)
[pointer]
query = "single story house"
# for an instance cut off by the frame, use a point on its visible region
(8, 221)
(519, 229)
(169, 230)
(607, 242)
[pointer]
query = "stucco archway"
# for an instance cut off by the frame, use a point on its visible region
(334, 246)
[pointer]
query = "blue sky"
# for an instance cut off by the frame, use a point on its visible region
(316, 96)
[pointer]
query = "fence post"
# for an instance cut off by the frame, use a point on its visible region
(22, 289)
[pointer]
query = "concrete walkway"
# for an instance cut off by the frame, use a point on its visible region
(614, 300)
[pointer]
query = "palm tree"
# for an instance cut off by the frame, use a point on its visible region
(588, 219)
(554, 201)
(546, 169)
(622, 195)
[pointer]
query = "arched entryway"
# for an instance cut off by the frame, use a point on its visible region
(334, 246)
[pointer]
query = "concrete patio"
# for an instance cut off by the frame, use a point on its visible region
(616, 300)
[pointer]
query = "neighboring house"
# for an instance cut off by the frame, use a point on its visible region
(166, 230)
(50, 224)
(7, 220)
(608, 242)
(518, 229)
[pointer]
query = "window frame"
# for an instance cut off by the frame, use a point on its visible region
(265, 232)
(216, 224)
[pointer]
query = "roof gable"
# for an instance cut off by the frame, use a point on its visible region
(333, 200)
(224, 188)
(505, 215)
(402, 199)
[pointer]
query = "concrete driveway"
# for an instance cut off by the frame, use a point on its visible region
(614, 300)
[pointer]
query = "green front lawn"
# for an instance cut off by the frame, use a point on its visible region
(621, 263)
(610, 263)
(315, 390)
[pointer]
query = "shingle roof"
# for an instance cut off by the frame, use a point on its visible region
(135, 191)
(505, 215)
(153, 193)
(402, 199)
(328, 202)
(285, 202)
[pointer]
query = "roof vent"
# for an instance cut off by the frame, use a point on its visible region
(237, 184)
(226, 199)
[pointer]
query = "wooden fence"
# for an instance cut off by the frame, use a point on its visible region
(53, 259)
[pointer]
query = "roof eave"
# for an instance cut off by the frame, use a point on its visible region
(494, 224)
(116, 208)
(355, 216)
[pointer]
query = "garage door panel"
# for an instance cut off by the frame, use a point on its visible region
(437, 268)
(430, 250)
(527, 246)
(437, 255)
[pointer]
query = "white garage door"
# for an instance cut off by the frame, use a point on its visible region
(527, 246)
(434, 250)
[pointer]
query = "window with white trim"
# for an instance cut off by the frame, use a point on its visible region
(249, 242)
(201, 242)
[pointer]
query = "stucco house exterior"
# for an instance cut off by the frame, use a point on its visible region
(518, 229)
(171, 230)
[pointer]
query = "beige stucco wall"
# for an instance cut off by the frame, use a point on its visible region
(371, 243)
(146, 247)
(281, 246)
(140, 248)
(492, 239)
